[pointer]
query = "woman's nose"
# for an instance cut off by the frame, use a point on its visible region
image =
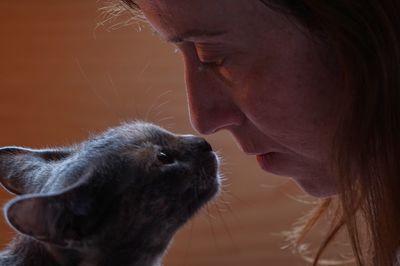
(211, 104)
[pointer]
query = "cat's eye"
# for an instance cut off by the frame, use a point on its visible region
(164, 158)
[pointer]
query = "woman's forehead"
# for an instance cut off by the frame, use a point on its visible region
(176, 20)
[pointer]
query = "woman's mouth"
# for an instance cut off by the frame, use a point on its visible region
(265, 160)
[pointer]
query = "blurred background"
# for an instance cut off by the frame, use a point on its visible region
(65, 75)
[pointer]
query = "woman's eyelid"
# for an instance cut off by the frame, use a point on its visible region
(210, 48)
(210, 53)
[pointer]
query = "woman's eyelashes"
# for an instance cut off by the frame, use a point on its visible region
(210, 55)
(212, 63)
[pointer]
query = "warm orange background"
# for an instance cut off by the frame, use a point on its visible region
(62, 78)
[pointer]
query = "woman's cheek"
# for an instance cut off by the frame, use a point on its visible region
(233, 74)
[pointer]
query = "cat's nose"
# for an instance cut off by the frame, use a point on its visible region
(204, 145)
(199, 143)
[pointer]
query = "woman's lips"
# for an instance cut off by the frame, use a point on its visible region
(264, 160)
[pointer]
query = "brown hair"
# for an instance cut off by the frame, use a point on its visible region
(365, 35)
(366, 148)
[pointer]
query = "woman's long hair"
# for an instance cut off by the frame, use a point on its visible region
(365, 35)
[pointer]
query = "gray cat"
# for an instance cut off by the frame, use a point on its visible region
(114, 200)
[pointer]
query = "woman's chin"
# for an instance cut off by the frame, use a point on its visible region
(316, 189)
(311, 179)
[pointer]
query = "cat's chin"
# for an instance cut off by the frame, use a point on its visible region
(210, 181)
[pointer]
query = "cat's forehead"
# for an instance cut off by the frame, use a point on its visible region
(147, 131)
(138, 133)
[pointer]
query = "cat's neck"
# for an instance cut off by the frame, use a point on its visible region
(25, 251)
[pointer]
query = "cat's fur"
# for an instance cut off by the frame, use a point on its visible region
(114, 200)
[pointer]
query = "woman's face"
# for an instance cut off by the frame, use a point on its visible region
(251, 71)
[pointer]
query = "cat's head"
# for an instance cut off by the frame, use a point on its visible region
(136, 182)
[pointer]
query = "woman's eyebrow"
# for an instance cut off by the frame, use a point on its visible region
(195, 33)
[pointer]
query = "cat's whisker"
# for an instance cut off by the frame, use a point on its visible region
(160, 113)
(221, 159)
(229, 209)
(227, 230)
(223, 205)
(161, 105)
(221, 200)
(113, 84)
(212, 228)
(225, 181)
(93, 89)
(144, 69)
(147, 91)
(239, 199)
(155, 103)
(225, 188)
(170, 125)
(189, 246)
(165, 119)
(209, 213)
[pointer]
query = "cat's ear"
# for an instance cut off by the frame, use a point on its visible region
(56, 218)
(19, 166)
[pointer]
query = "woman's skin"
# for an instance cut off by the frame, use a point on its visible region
(253, 72)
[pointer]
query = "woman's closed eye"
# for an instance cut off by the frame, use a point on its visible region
(210, 55)
(217, 58)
